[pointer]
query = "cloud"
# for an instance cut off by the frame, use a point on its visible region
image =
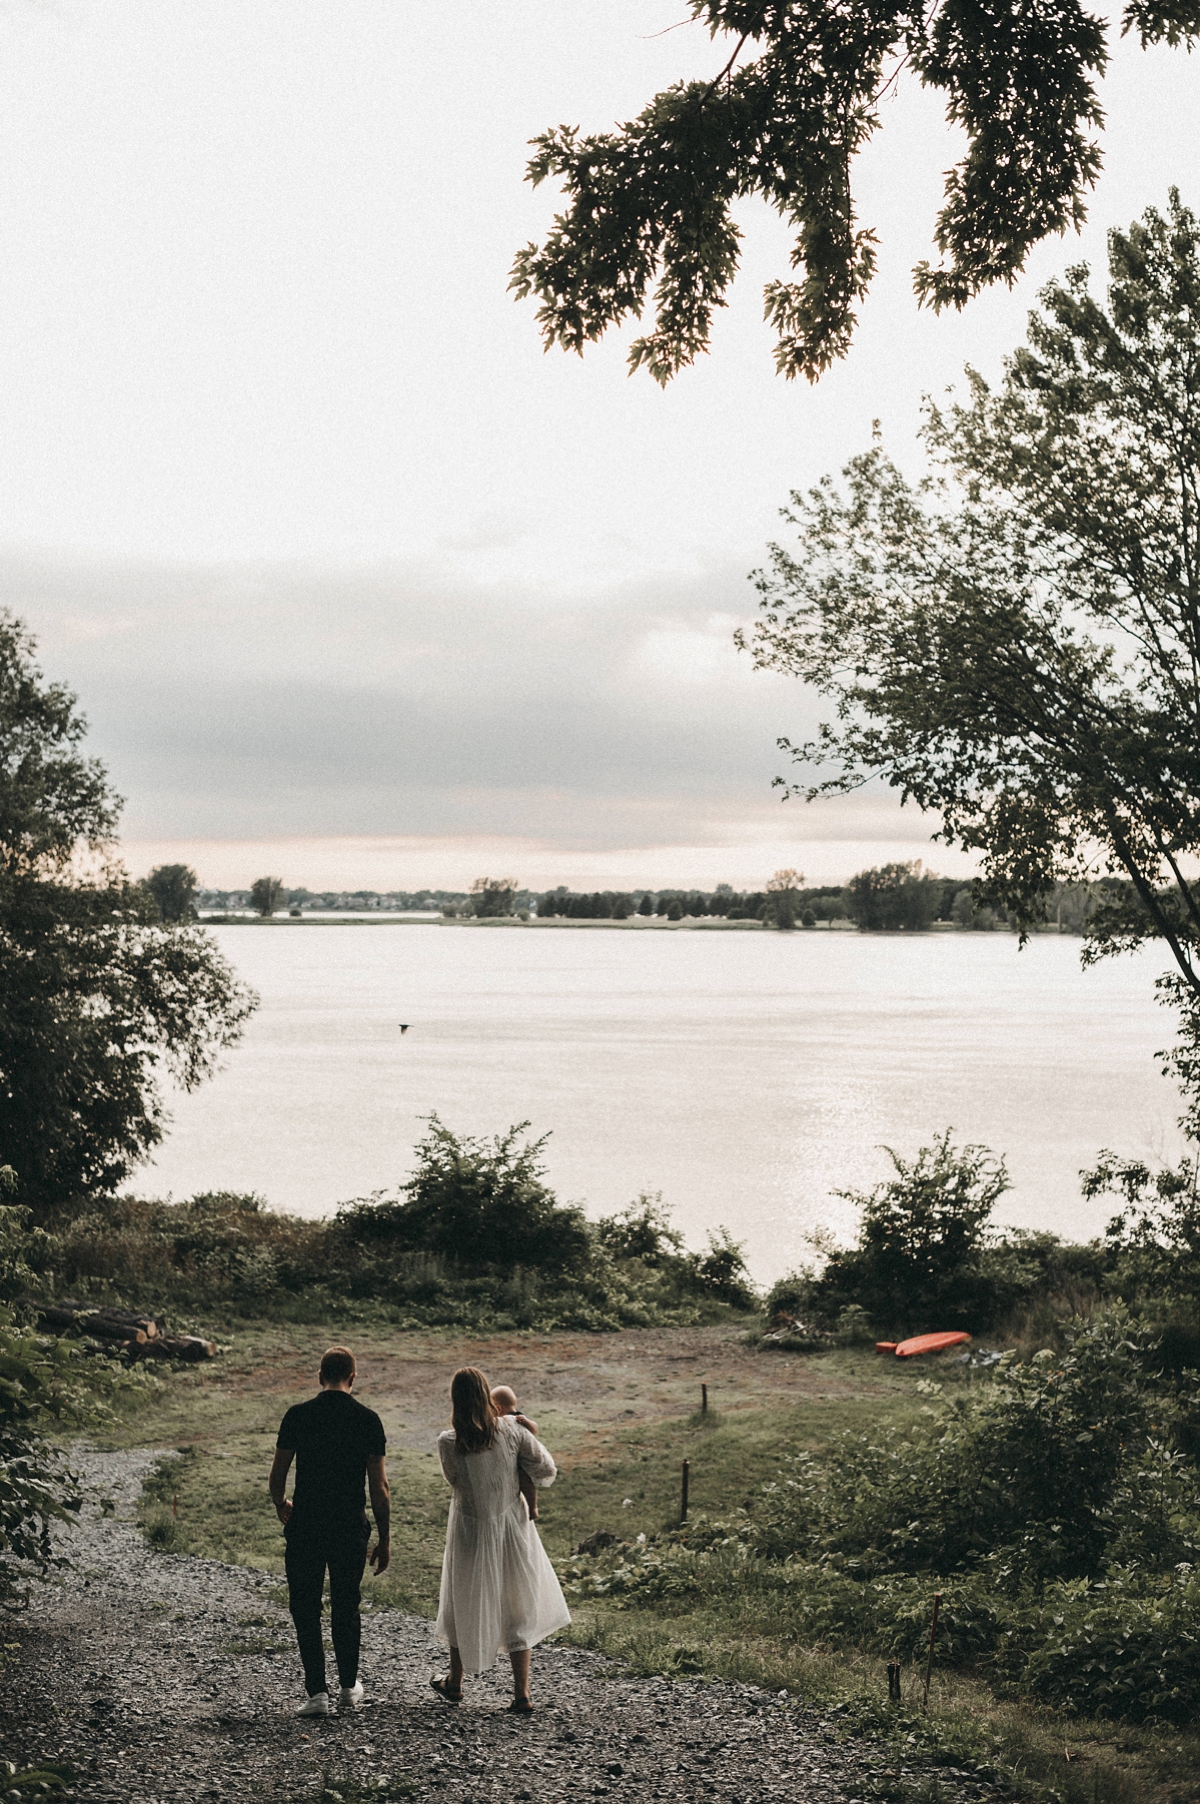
(421, 702)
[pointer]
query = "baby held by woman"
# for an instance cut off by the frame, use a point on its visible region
(504, 1398)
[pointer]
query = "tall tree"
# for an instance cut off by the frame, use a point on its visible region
(173, 887)
(783, 898)
(99, 999)
(266, 895)
(493, 896)
(894, 896)
(649, 206)
(1014, 642)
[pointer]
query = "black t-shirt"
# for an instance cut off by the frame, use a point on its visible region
(333, 1436)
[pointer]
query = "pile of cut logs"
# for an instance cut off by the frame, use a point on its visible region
(139, 1336)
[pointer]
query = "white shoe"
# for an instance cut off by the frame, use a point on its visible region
(350, 1697)
(317, 1705)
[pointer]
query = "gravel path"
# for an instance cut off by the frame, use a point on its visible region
(170, 1680)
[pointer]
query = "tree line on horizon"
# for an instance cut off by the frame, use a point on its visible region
(899, 897)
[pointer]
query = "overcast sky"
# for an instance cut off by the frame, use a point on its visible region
(353, 581)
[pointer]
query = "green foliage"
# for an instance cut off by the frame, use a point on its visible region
(920, 1255)
(173, 889)
(20, 1785)
(1034, 1477)
(266, 895)
(45, 1384)
(651, 204)
(479, 1203)
(1014, 642)
(782, 905)
(1118, 1648)
(1047, 1505)
(475, 1239)
(720, 1272)
(642, 1236)
(894, 896)
(1154, 1241)
(642, 1231)
(98, 1001)
(492, 897)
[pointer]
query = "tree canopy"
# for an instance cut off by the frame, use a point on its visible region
(173, 887)
(266, 895)
(99, 997)
(1013, 642)
(649, 206)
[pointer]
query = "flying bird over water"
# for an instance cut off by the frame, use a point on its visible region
(404, 1027)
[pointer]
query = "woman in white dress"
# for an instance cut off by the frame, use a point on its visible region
(499, 1590)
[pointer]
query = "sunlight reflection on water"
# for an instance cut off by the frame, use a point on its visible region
(745, 1075)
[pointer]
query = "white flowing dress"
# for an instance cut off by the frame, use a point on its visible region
(499, 1590)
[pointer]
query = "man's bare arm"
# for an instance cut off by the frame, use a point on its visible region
(381, 1507)
(277, 1483)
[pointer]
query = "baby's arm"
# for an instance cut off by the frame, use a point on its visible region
(524, 1422)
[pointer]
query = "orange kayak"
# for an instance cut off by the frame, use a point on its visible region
(929, 1343)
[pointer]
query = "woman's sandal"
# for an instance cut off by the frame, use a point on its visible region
(442, 1687)
(521, 1707)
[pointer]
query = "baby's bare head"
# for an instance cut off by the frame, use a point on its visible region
(505, 1400)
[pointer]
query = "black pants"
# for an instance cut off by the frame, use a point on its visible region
(311, 1547)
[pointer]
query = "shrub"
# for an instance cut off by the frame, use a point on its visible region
(894, 896)
(1037, 1476)
(918, 1258)
(642, 1231)
(476, 1240)
(1118, 1648)
(479, 1203)
(44, 1385)
(1154, 1240)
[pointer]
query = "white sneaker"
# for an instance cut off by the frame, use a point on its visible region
(317, 1705)
(350, 1696)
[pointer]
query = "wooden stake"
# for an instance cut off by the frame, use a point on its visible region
(937, 1598)
(703, 1399)
(683, 1502)
(894, 1679)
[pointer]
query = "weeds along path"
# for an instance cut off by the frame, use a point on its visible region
(166, 1679)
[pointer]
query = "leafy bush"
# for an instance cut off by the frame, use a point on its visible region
(641, 1231)
(1120, 1648)
(481, 1204)
(921, 1236)
(1048, 1507)
(1153, 1242)
(894, 896)
(1036, 1476)
(925, 1257)
(476, 1239)
(44, 1383)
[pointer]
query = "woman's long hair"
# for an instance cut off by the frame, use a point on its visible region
(474, 1413)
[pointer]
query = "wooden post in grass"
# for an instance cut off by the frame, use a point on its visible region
(683, 1501)
(703, 1399)
(937, 1598)
(894, 1680)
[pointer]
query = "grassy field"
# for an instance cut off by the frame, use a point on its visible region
(621, 1413)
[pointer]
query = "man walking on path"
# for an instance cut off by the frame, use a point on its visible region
(337, 1444)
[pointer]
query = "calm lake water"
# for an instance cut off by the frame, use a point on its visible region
(747, 1076)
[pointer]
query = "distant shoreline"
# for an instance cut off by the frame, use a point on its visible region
(636, 924)
(559, 923)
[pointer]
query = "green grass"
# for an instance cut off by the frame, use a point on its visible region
(227, 1418)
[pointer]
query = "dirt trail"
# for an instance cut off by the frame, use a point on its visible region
(641, 1374)
(170, 1680)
